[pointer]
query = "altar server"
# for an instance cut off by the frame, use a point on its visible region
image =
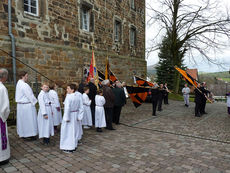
(4, 113)
(55, 104)
(99, 111)
(45, 115)
(69, 130)
(79, 116)
(26, 111)
(87, 118)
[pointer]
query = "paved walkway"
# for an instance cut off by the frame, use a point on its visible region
(174, 141)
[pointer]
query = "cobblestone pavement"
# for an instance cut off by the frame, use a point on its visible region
(174, 141)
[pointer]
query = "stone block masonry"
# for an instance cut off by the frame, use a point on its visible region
(58, 40)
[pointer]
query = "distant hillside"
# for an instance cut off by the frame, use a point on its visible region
(151, 70)
(224, 76)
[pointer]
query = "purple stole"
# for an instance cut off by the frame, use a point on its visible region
(3, 134)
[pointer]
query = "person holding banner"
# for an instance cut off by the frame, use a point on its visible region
(198, 100)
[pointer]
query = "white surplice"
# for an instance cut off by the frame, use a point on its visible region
(79, 116)
(69, 123)
(57, 117)
(100, 112)
(87, 118)
(45, 126)
(26, 111)
(4, 113)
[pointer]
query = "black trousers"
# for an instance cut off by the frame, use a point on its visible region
(160, 104)
(116, 114)
(92, 107)
(197, 109)
(154, 104)
(109, 117)
(203, 105)
(166, 99)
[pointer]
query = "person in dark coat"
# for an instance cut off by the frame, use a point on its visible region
(161, 96)
(166, 94)
(82, 85)
(109, 99)
(198, 101)
(155, 96)
(92, 94)
(204, 99)
(120, 101)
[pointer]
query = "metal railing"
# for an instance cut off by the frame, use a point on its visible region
(33, 69)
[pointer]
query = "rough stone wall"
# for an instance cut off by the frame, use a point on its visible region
(54, 44)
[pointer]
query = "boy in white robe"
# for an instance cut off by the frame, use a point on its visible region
(68, 142)
(26, 111)
(45, 117)
(99, 111)
(79, 117)
(4, 113)
(55, 104)
(87, 118)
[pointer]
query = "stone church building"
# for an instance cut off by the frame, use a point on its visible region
(56, 37)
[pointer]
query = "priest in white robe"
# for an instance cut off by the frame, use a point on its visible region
(69, 130)
(45, 115)
(87, 118)
(4, 113)
(26, 111)
(99, 112)
(57, 116)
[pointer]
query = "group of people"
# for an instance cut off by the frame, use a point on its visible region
(159, 93)
(201, 96)
(85, 106)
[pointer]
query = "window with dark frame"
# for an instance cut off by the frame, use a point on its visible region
(133, 36)
(117, 31)
(87, 18)
(31, 7)
(132, 4)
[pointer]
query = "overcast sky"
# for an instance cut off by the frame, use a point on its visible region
(202, 65)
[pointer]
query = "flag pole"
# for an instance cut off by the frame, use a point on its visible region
(196, 87)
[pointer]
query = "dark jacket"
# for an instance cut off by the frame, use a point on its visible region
(204, 91)
(109, 97)
(161, 93)
(198, 96)
(155, 94)
(92, 92)
(120, 99)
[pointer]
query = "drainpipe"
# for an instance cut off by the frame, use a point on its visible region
(12, 41)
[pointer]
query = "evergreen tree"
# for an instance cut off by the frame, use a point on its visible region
(165, 67)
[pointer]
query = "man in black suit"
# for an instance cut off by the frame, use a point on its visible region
(198, 100)
(204, 98)
(155, 96)
(92, 94)
(161, 97)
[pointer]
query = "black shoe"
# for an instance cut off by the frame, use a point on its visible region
(160, 110)
(154, 115)
(112, 129)
(4, 162)
(99, 130)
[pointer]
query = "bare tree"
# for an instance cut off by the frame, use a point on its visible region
(201, 25)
